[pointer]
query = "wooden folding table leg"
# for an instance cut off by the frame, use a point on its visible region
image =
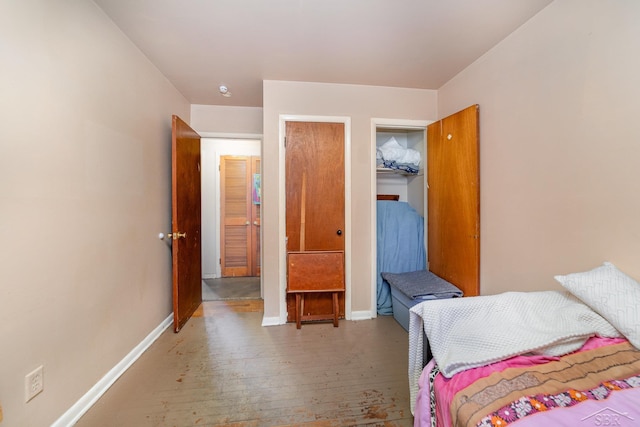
(298, 310)
(336, 309)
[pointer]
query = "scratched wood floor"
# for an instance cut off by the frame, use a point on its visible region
(225, 369)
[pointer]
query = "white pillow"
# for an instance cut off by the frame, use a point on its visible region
(612, 294)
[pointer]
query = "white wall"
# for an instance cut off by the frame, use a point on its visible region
(237, 121)
(559, 144)
(361, 104)
(211, 150)
(85, 148)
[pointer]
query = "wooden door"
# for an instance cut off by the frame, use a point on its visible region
(315, 198)
(453, 197)
(185, 223)
(240, 216)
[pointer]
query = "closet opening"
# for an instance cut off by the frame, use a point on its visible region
(399, 232)
(445, 191)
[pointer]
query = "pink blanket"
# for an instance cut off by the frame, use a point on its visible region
(447, 389)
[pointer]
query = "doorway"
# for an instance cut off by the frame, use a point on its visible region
(213, 148)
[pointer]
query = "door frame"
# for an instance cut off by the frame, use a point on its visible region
(210, 167)
(396, 124)
(282, 225)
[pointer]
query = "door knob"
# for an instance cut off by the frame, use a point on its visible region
(173, 236)
(339, 232)
(255, 222)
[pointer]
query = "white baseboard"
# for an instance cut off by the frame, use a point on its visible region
(74, 413)
(361, 315)
(355, 315)
(272, 321)
(210, 276)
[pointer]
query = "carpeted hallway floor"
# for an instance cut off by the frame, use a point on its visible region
(230, 288)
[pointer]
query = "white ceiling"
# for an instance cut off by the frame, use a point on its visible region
(201, 44)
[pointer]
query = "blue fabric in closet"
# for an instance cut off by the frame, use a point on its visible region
(400, 246)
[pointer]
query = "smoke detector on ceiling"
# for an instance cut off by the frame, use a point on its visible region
(224, 91)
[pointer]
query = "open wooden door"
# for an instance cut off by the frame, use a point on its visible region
(185, 223)
(315, 202)
(453, 195)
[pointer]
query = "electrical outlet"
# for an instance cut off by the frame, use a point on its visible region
(33, 383)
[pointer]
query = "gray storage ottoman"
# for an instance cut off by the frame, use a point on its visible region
(414, 287)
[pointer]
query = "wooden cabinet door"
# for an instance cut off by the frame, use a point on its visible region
(315, 204)
(240, 216)
(453, 198)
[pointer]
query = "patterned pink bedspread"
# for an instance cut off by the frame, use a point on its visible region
(599, 385)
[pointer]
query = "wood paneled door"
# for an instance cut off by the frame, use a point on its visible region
(185, 222)
(453, 196)
(240, 215)
(315, 202)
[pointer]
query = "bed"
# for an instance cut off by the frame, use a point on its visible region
(556, 358)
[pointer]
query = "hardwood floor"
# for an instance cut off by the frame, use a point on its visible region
(225, 369)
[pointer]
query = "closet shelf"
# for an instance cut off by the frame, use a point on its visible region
(389, 171)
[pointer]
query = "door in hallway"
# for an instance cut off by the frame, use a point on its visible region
(240, 215)
(185, 222)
